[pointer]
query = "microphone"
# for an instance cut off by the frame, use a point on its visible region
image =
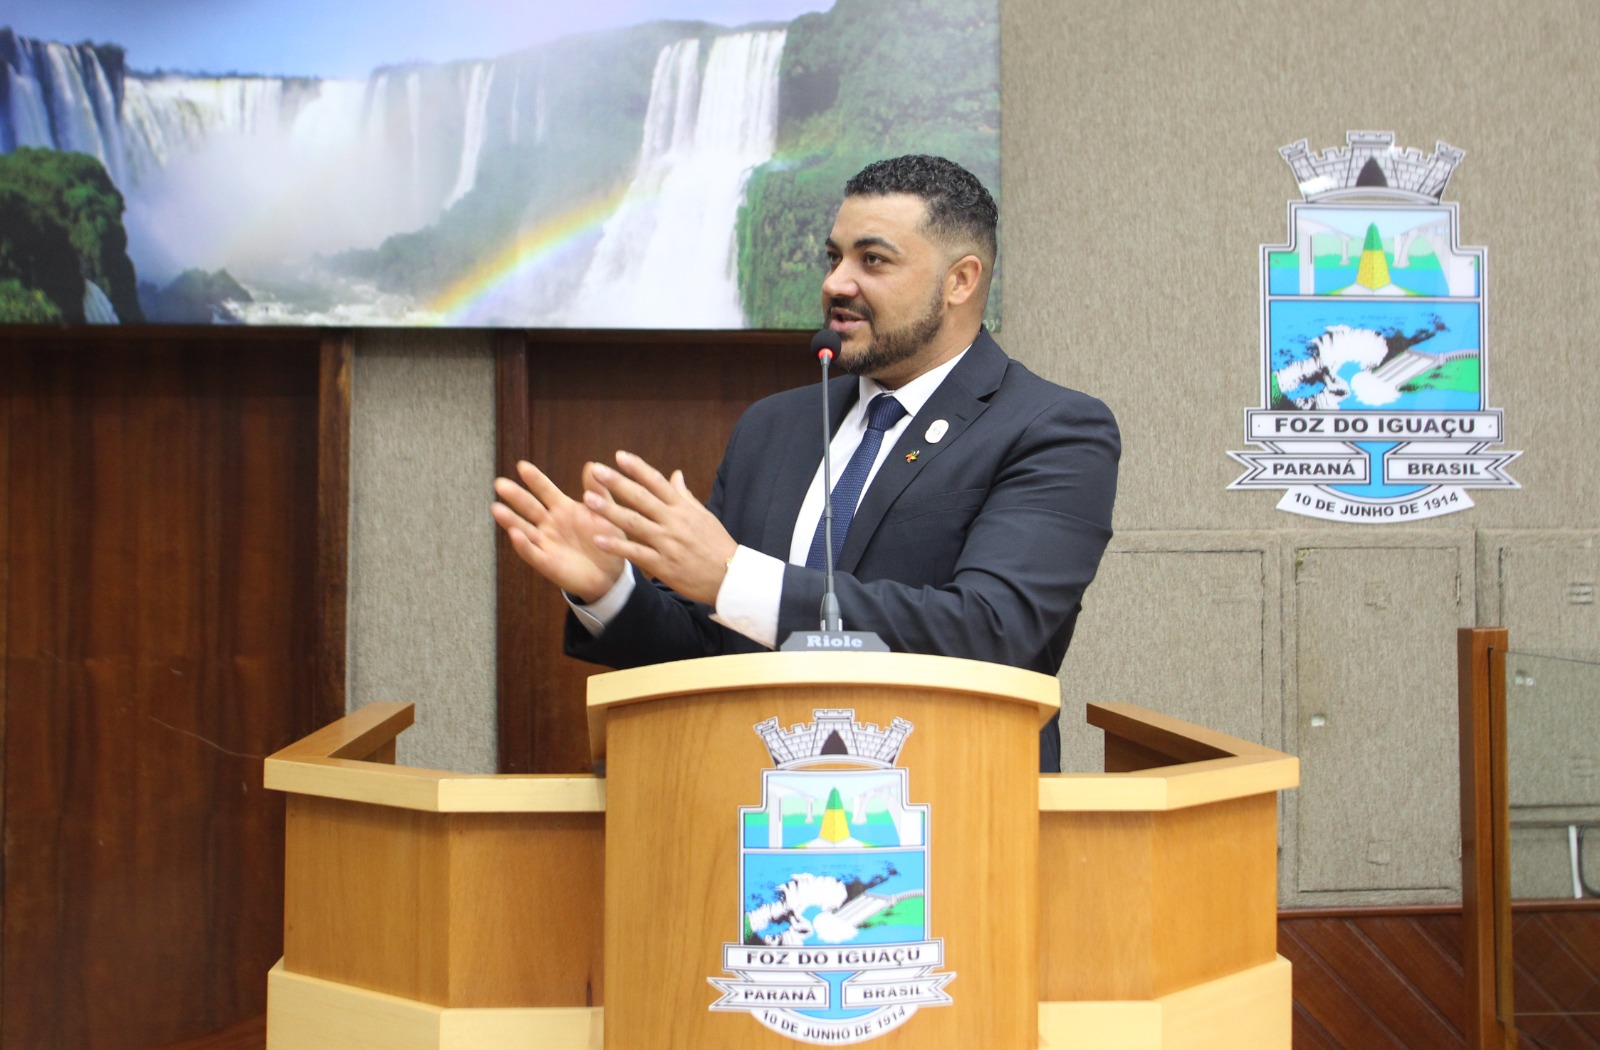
(826, 344)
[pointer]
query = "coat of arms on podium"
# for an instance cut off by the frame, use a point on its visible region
(834, 942)
(1374, 372)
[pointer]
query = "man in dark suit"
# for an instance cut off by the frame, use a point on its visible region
(981, 494)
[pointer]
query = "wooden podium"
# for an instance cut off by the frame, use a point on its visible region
(1158, 902)
(788, 848)
(426, 910)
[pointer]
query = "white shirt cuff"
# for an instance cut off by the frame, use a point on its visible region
(748, 600)
(596, 615)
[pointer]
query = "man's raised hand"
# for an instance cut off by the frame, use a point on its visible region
(666, 531)
(557, 534)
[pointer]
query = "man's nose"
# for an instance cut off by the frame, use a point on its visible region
(839, 282)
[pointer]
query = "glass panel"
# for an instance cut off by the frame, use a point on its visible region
(1553, 774)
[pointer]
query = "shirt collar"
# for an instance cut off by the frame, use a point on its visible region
(913, 395)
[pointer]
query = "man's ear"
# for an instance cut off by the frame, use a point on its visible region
(963, 279)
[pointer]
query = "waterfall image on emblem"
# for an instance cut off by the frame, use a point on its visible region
(666, 258)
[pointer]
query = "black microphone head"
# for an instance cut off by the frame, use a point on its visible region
(828, 340)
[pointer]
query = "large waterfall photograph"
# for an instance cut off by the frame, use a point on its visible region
(646, 164)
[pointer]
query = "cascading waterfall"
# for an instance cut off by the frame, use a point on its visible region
(28, 119)
(73, 109)
(167, 117)
(541, 112)
(511, 119)
(97, 308)
(475, 125)
(414, 126)
(666, 258)
(60, 96)
(377, 108)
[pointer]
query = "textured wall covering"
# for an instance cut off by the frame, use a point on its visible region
(1140, 176)
(421, 542)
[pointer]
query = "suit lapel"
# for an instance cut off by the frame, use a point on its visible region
(796, 451)
(959, 400)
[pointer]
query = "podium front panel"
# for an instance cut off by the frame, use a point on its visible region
(769, 882)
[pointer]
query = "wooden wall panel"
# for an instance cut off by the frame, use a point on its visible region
(672, 398)
(518, 653)
(1393, 977)
(160, 640)
(333, 525)
(1349, 989)
(250, 1034)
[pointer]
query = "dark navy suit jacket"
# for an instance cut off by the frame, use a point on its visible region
(980, 546)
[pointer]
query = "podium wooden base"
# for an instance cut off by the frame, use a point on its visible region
(1253, 1009)
(304, 1013)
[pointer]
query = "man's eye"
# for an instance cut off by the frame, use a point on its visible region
(872, 258)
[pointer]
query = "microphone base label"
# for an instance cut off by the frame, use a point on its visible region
(833, 641)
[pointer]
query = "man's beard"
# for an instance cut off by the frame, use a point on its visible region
(891, 347)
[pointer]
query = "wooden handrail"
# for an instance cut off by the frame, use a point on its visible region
(354, 759)
(1162, 740)
(364, 733)
(1157, 763)
(1485, 838)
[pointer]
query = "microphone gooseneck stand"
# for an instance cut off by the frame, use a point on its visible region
(832, 637)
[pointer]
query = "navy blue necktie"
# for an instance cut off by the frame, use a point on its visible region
(882, 413)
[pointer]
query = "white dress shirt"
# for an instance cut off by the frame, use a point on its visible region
(748, 599)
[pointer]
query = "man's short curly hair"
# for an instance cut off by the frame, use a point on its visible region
(959, 208)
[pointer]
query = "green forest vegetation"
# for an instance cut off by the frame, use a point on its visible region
(61, 224)
(861, 82)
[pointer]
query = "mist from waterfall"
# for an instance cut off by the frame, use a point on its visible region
(667, 258)
(245, 172)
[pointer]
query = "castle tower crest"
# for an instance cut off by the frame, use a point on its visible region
(1370, 164)
(835, 735)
